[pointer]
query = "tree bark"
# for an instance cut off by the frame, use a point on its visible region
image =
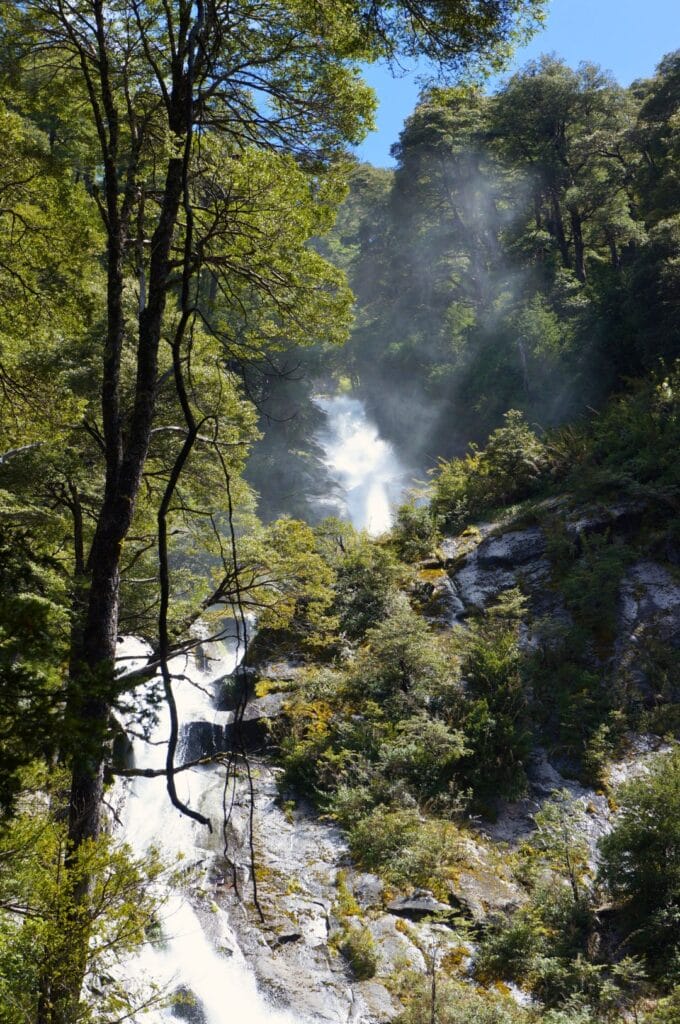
(579, 245)
(556, 228)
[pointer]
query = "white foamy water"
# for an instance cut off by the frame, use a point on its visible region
(198, 952)
(365, 466)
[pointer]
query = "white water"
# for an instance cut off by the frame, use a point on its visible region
(365, 466)
(198, 952)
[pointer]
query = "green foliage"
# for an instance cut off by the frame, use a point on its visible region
(366, 577)
(495, 716)
(456, 1002)
(33, 633)
(506, 470)
(43, 920)
(631, 444)
(591, 586)
(667, 1011)
(641, 858)
(359, 949)
(405, 848)
(415, 534)
(402, 664)
(560, 840)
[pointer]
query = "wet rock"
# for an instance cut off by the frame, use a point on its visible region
(440, 600)
(187, 1007)
(299, 857)
(205, 739)
(235, 688)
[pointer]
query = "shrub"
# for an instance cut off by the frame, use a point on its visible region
(423, 753)
(359, 949)
(414, 534)
(591, 585)
(456, 1003)
(405, 848)
(366, 577)
(495, 720)
(507, 470)
(641, 856)
(403, 661)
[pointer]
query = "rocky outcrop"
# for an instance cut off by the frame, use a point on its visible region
(225, 733)
(309, 891)
(421, 903)
(516, 820)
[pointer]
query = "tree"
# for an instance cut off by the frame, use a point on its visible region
(560, 837)
(566, 129)
(206, 136)
(41, 931)
(641, 856)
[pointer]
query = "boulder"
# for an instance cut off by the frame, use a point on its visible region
(421, 903)
(393, 946)
(481, 892)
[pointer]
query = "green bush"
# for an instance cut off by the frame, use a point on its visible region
(366, 577)
(495, 715)
(415, 534)
(591, 585)
(405, 848)
(641, 858)
(509, 469)
(456, 1003)
(667, 1011)
(359, 949)
(403, 662)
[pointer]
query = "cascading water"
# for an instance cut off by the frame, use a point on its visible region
(198, 953)
(369, 475)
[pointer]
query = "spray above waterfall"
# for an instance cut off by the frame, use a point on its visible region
(368, 473)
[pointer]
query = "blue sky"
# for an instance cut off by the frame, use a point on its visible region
(627, 37)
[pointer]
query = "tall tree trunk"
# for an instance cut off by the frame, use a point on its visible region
(92, 685)
(579, 245)
(556, 228)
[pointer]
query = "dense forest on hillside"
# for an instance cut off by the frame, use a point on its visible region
(189, 256)
(523, 254)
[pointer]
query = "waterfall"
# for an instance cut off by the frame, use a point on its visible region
(369, 475)
(198, 953)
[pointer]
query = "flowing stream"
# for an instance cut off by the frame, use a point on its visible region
(197, 952)
(365, 467)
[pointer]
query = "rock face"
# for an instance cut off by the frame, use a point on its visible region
(497, 563)
(223, 733)
(516, 821)
(309, 890)
(295, 952)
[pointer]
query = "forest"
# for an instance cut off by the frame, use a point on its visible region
(475, 709)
